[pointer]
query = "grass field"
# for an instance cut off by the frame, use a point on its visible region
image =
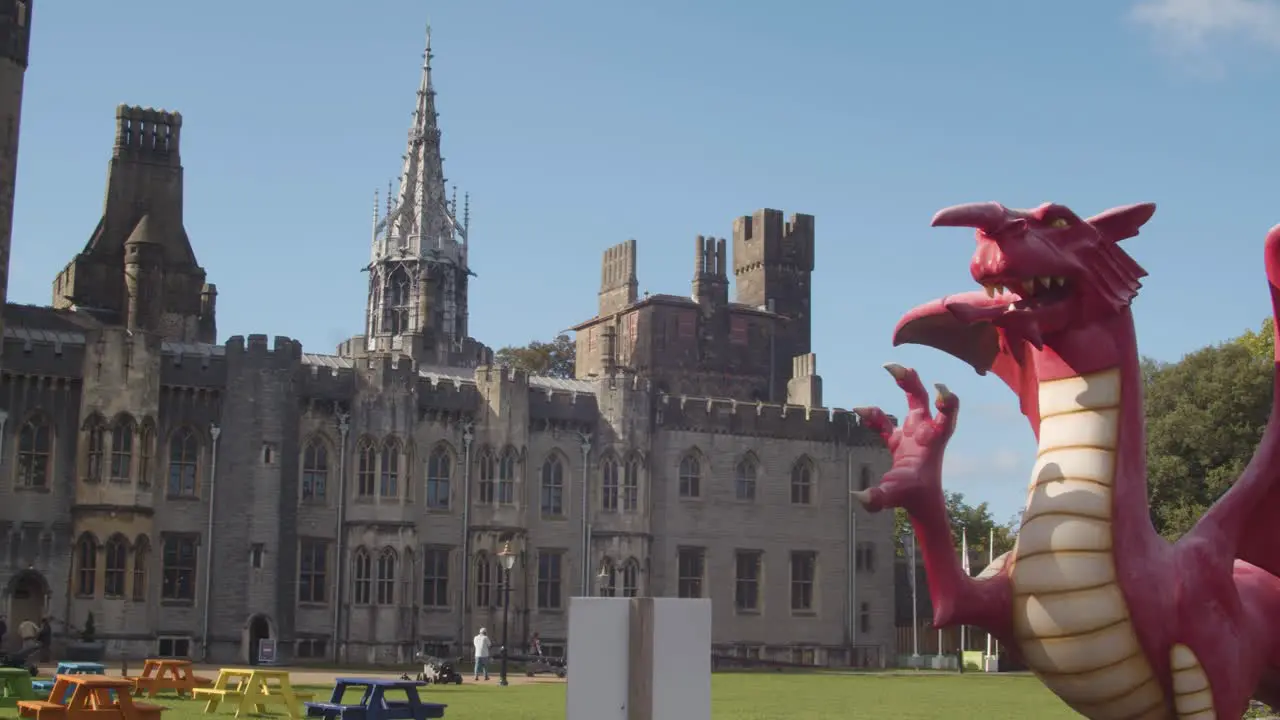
(763, 696)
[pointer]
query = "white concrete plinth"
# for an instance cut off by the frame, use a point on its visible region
(639, 659)
(991, 663)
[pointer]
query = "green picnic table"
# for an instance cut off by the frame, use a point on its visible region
(15, 685)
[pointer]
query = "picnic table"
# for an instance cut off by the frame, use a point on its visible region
(252, 689)
(45, 687)
(89, 697)
(159, 674)
(374, 704)
(16, 686)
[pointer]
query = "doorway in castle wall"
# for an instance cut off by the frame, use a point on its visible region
(28, 595)
(259, 629)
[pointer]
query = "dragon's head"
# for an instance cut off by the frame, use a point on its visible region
(1043, 272)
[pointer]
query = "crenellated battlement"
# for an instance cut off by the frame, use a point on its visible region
(284, 352)
(503, 374)
(792, 422)
(147, 133)
(764, 239)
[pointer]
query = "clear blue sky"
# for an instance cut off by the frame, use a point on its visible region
(576, 124)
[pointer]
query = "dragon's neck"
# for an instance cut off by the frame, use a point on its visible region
(1099, 347)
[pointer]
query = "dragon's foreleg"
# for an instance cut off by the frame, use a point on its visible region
(914, 483)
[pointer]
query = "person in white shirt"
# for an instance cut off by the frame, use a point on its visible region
(482, 654)
(29, 632)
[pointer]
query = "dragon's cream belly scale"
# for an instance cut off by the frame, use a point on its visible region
(1070, 617)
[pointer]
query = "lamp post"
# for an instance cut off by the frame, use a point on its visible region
(508, 560)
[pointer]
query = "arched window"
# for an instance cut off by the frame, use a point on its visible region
(608, 578)
(367, 469)
(630, 578)
(184, 449)
(95, 448)
(690, 476)
(486, 589)
(609, 484)
(744, 479)
(315, 471)
(387, 577)
(507, 477)
(141, 556)
(408, 594)
(553, 486)
(864, 478)
(35, 448)
(122, 452)
(390, 485)
(361, 577)
(114, 575)
(86, 565)
(631, 485)
(487, 465)
(146, 453)
(439, 478)
(802, 482)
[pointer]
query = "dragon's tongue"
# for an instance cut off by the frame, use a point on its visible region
(976, 307)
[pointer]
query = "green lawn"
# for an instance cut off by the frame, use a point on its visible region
(765, 696)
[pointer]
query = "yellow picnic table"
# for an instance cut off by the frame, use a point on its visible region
(253, 688)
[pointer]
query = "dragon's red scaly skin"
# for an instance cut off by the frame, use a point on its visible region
(1114, 619)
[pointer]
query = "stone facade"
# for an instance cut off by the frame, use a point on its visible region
(198, 497)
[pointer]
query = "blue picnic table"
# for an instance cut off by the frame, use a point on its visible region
(44, 687)
(374, 704)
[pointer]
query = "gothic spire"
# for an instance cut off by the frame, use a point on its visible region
(420, 222)
(418, 270)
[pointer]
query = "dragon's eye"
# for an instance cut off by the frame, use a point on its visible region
(1059, 223)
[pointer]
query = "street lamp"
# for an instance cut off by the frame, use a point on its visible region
(508, 560)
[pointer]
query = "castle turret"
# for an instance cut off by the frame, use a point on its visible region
(773, 266)
(144, 278)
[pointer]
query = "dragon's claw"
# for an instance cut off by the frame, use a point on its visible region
(867, 499)
(897, 371)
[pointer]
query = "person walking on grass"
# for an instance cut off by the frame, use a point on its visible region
(482, 644)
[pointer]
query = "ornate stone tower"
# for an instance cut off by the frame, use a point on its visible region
(418, 270)
(15, 46)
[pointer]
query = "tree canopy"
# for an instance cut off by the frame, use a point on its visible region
(554, 359)
(1205, 415)
(972, 522)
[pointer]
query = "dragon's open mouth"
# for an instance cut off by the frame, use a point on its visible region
(1029, 293)
(1007, 295)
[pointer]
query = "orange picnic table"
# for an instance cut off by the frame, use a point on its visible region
(160, 674)
(89, 697)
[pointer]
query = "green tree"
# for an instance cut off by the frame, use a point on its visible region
(1261, 343)
(971, 521)
(554, 359)
(1205, 415)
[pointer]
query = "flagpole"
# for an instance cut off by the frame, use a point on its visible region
(991, 559)
(915, 622)
(964, 564)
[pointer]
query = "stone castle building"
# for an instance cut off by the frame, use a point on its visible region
(198, 497)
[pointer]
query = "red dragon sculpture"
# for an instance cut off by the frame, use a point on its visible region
(1116, 621)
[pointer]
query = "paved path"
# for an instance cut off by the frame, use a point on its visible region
(314, 676)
